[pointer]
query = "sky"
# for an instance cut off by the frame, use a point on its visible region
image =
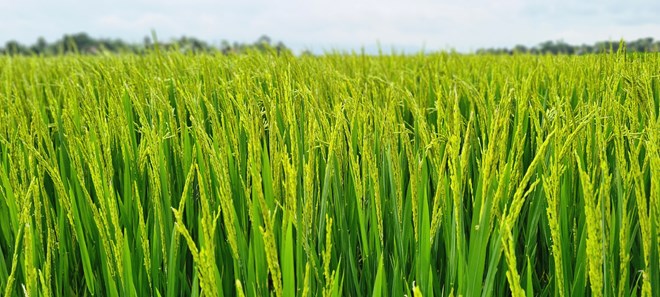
(410, 25)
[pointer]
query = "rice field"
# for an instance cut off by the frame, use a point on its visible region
(341, 175)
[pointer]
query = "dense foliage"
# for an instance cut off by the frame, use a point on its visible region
(344, 175)
(642, 45)
(82, 43)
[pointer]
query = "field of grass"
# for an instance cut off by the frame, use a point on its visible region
(341, 175)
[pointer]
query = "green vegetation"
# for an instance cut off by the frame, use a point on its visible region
(169, 174)
(642, 45)
(82, 43)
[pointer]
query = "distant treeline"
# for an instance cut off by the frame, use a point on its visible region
(84, 44)
(643, 45)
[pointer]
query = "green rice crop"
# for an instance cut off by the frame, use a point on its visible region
(261, 174)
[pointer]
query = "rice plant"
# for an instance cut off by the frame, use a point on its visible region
(268, 174)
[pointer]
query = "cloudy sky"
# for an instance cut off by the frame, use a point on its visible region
(464, 25)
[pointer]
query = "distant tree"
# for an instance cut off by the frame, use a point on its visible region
(641, 45)
(263, 43)
(547, 47)
(146, 42)
(264, 39)
(85, 44)
(520, 49)
(13, 47)
(307, 53)
(40, 47)
(564, 48)
(225, 47)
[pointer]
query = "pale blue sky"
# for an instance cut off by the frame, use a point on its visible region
(465, 25)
